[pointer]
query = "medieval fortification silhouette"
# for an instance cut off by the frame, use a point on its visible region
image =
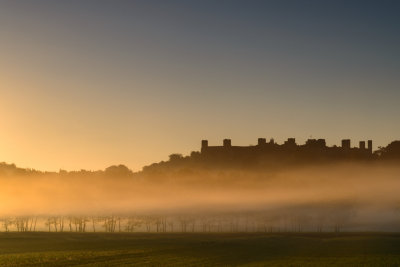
(314, 150)
(312, 147)
(271, 154)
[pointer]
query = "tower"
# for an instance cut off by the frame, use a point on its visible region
(321, 143)
(346, 143)
(227, 142)
(370, 146)
(290, 142)
(204, 144)
(362, 145)
(262, 141)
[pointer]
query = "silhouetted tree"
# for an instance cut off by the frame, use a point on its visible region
(175, 157)
(118, 171)
(391, 151)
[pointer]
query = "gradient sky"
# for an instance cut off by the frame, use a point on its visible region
(87, 84)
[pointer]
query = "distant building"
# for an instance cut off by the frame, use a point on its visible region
(362, 145)
(313, 149)
(227, 143)
(346, 143)
(370, 146)
(262, 141)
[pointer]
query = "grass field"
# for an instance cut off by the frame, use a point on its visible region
(104, 249)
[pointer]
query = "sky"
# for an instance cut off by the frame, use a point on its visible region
(87, 84)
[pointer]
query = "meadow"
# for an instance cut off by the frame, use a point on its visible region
(199, 249)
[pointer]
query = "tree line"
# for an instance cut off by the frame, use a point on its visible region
(246, 222)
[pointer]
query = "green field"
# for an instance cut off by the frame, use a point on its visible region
(105, 249)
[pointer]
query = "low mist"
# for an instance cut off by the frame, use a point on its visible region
(345, 197)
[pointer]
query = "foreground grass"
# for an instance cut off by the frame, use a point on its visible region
(103, 249)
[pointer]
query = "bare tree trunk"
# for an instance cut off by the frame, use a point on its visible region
(34, 226)
(93, 223)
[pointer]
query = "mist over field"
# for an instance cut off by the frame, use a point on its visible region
(357, 196)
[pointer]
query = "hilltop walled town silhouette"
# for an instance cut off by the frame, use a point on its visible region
(312, 147)
(269, 153)
(264, 154)
(314, 150)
